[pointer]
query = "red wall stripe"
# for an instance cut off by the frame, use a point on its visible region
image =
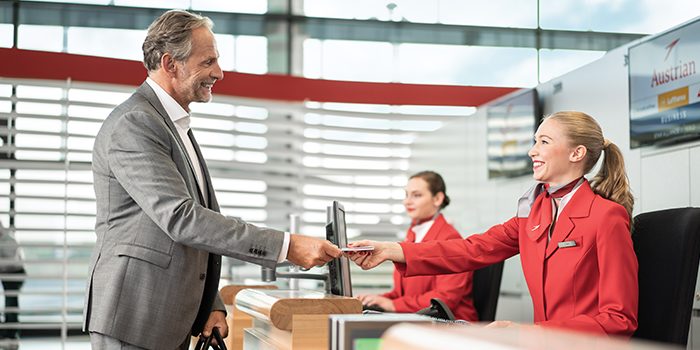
(30, 64)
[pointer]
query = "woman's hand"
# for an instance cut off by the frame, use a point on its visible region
(382, 252)
(378, 300)
(511, 324)
(502, 324)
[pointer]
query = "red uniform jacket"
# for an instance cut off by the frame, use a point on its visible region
(411, 294)
(591, 286)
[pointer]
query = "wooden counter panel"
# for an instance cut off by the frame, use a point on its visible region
(279, 306)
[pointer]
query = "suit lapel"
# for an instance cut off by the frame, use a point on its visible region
(562, 230)
(191, 179)
(211, 199)
(578, 207)
(536, 228)
(434, 229)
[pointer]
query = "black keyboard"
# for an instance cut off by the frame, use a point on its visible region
(375, 308)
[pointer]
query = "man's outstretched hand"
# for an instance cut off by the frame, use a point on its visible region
(308, 252)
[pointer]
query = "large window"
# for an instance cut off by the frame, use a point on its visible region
(467, 65)
(414, 42)
(555, 63)
(243, 53)
(618, 16)
(421, 63)
(511, 13)
(349, 60)
(37, 37)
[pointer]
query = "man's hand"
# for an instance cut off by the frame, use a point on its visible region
(382, 252)
(378, 300)
(308, 252)
(216, 319)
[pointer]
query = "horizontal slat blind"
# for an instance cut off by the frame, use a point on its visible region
(267, 160)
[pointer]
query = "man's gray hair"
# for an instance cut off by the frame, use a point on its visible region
(171, 33)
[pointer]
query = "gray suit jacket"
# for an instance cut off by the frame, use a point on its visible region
(155, 269)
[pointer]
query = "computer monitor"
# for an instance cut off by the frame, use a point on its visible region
(338, 269)
(511, 121)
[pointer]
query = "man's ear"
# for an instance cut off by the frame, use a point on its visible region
(168, 64)
(578, 154)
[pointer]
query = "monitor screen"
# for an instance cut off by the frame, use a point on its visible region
(364, 331)
(664, 88)
(511, 123)
(338, 269)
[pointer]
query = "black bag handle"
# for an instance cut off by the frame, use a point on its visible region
(205, 342)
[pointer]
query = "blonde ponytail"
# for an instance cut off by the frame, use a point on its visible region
(611, 182)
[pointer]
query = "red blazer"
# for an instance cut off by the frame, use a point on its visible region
(411, 294)
(591, 286)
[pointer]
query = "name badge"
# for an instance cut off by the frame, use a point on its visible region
(566, 244)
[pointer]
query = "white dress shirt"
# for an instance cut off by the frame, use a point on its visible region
(181, 119)
(566, 198)
(421, 230)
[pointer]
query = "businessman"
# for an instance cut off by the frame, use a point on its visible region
(155, 269)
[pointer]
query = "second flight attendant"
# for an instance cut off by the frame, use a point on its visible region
(425, 197)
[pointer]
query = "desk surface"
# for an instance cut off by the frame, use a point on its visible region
(445, 337)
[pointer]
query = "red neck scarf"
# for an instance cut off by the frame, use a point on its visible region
(561, 191)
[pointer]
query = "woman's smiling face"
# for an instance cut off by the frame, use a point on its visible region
(551, 155)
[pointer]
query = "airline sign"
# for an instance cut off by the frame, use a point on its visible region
(665, 71)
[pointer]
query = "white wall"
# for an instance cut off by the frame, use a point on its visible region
(660, 177)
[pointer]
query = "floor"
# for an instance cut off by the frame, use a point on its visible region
(53, 343)
(81, 342)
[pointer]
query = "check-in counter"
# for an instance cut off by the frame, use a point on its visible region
(473, 337)
(290, 319)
